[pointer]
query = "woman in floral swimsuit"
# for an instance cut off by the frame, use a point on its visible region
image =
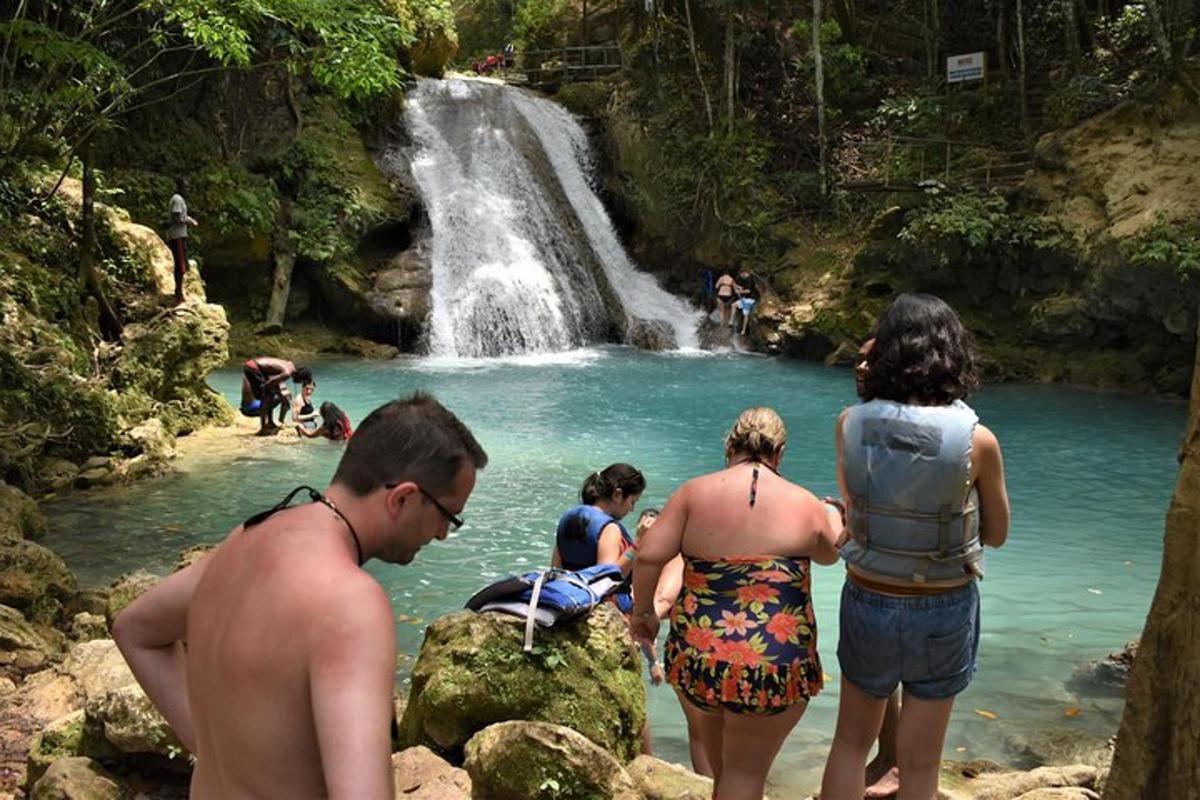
(742, 651)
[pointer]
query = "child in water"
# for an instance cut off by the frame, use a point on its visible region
(335, 425)
(656, 671)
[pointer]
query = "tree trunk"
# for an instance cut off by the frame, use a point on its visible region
(1002, 40)
(284, 254)
(935, 23)
(1167, 52)
(927, 38)
(1021, 72)
(1158, 745)
(90, 281)
(708, 111)
(729, 72)
(819, 82)
(843, 12)
(1071, 35)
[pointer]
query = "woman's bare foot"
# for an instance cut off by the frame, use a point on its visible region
(886, 785)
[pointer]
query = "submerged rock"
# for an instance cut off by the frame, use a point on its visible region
(650, 334)
(1073, 782)
(472, 672)
(518, 760)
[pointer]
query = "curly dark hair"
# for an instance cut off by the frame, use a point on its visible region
(922, 354)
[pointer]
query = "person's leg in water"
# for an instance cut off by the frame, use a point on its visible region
(708, 729)
(700, 762)
(882, 775)
(859, 718)
(268, 427)
(920, 736)
(749, 745)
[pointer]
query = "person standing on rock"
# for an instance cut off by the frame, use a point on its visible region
(726, 294)
(747, 290)
(177, 234)
(273, 658)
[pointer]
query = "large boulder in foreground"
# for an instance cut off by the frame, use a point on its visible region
(517, 760)
(472, 672)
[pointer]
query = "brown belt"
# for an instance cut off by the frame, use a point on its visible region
(900, 589)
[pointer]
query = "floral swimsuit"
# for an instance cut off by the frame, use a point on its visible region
(743, 635)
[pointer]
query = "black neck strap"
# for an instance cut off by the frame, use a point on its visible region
(315, 497)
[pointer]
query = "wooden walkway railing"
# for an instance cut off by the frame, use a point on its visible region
(567, 64)
(904, 163)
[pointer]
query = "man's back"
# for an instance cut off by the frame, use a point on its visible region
(270, 609)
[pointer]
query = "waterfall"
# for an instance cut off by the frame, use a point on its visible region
(524, 258)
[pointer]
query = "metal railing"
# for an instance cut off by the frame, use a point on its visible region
(567, 64)
(907, 163)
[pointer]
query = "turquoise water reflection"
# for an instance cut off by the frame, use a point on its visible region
(1090, 474)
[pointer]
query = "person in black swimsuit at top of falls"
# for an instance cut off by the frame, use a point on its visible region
(264, 387)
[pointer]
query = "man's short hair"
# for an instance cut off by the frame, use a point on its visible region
(411, 439)
(302, 375)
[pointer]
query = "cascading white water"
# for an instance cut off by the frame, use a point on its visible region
(524, 257)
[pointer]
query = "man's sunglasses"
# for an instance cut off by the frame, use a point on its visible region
(455, 521)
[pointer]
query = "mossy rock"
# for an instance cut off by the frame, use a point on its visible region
(65, 737)
(472, 672)
(518, 759)
(30, 572)
(16, 633)
(19, 515)
(585, 98)
(125, 590)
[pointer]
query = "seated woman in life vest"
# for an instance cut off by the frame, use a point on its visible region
(924, 488)
(742, 651)
(591, 533)
(335, 425)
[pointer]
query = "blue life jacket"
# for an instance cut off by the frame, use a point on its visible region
(578, 538)
(913, 513)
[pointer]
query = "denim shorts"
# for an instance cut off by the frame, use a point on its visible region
(927, 643)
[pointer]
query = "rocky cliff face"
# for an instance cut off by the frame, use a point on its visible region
(74, 408)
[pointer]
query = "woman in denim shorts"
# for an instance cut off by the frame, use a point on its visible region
(924, 489)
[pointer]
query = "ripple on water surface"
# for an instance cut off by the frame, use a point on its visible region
(1090, 474)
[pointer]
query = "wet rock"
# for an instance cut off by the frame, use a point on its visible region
(651, 334)
(96, 476)
(56, 474)
(365, 348)
(420, 774)
(29, 572)
(20, 517)
(78, 779)
(151, 440)
(433, 50)
(125, 590)
(660, 780)
(1061, 793)
(1105, 676)
(472, 672)
(517, 760)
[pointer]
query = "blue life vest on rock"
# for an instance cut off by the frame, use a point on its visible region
(913, 513)
(578, 538)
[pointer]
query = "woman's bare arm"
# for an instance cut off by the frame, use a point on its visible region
(988, 466)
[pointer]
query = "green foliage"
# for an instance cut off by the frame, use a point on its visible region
(845, 66)
(236, 202)
(980, 222)
(536, 23)
(1165, 244)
